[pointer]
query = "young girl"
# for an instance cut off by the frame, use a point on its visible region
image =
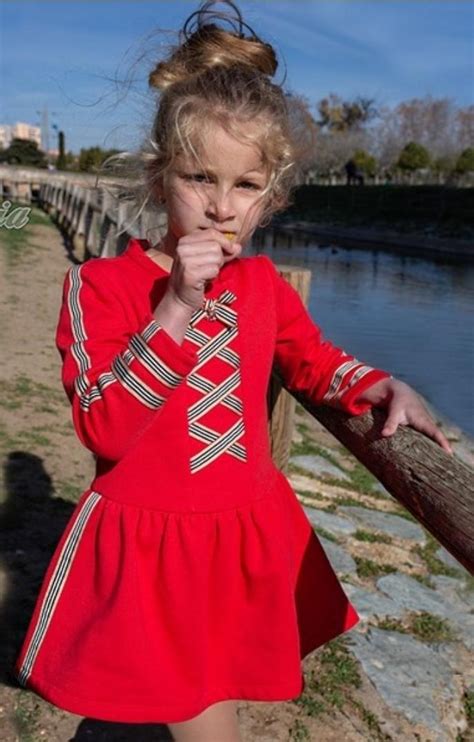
(189, 576)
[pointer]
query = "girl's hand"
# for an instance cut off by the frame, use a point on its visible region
(404, 407)
(198, 258)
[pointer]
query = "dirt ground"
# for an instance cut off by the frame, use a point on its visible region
(44, 471)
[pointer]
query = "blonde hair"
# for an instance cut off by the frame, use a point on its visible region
(215, 76)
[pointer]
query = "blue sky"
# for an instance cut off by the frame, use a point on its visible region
(66, 55)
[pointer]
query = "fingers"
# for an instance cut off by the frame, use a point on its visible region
(425, 425)
(199, 241)
(443, 441)
(428, 426)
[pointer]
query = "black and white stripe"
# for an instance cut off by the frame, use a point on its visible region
(339, 385)
(120, 370)
(56, 585)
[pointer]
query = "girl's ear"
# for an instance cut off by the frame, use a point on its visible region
(158, 192)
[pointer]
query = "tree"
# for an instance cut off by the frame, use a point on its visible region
(436, 123)
(464, 127)
(365, 162)
(444, 164)
(23, 152)
(91, 158)
(413, 157)
(339, 115)
(71, 161)
(465, 161)
(61, 160)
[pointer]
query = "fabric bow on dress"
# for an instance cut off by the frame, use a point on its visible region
(217, 308)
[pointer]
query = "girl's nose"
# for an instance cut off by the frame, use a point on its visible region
(219, 206)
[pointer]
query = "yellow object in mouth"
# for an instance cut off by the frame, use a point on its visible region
(230, 235)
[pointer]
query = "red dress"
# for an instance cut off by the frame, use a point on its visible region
(188, 572)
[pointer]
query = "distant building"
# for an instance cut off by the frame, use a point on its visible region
(19, 130)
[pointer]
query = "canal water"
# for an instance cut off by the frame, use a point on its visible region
(411, 316)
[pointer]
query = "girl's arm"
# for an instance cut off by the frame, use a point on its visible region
(117, 381)
(324, 373)
(328, 375)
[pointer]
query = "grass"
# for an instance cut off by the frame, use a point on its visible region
(423, 625)
(313, 495)
(26, 712)
(431, 628)
(298, 731)
(369, 568)
(434, 565)
(326, 534)
(31, 437)
(22, 388)
(16, 242)
(68, 490)
(371, 721)
(469, 704)
(382, 538)
(331, 686)
(327, 688)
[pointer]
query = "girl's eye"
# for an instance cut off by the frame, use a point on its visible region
(252, 185)
(199, 176)
(194, 176)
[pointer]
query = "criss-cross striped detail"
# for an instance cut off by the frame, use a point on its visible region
(214, 394)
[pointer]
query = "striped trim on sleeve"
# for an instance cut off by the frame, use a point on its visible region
(115, 378)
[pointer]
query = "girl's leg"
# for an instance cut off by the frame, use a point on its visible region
(217, 723)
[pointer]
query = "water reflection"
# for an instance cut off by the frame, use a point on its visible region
(410, 315)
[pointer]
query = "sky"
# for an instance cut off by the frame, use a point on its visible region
(88, 62)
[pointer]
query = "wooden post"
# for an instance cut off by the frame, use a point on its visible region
(281, 406)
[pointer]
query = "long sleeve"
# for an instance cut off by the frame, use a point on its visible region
(117, 381)
(312, 365)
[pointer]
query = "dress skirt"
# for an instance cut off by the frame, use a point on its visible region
(146, 615)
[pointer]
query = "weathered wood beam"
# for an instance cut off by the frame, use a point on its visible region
(435, 487)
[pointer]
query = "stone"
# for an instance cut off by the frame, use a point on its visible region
(341, 561)
(329, 521)
(413, 596)
(413, 678)
(389, 523)
(372, 603)
(447, 558)
(452, 591)
(319, 466)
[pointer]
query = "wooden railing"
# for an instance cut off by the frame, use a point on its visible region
(436, 488)
(89, 215)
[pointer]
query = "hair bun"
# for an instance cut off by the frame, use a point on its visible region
(209, 46)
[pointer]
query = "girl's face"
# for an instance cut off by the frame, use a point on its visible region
(223, 193)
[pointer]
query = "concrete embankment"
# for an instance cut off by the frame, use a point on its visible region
(413, 243)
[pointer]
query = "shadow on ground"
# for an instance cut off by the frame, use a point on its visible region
(32, 520)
